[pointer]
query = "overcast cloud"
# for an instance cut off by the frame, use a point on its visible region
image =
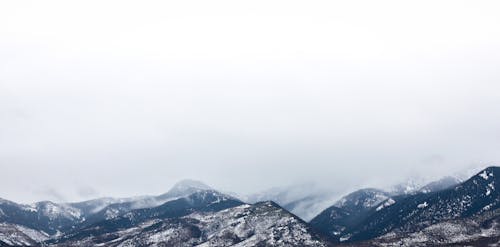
(124, 98)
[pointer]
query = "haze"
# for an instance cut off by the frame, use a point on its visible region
(122, 98)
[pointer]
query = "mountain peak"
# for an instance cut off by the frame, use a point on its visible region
(492, 169)
(190, 183)
(441, 184)
(489, 172)
(362, 199)
(184, 188)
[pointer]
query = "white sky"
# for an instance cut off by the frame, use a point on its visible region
(125, 98)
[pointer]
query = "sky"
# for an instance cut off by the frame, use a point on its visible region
(123, 98)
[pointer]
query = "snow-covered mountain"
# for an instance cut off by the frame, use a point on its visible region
(49, 217)
(362, 200)
(55, 219)
(193, 214)
(18, 235)
(95, 205)
(261, 224)
(417, 185)
(441, 184)
(348, 211)
(183, 188)
(108, 208)
(412, 213)
(445, 212)
(479, 230)
(202, 201)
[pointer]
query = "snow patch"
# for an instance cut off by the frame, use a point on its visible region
(30, 208)
(345, 238)
(33, 234)
(386, 204)
(111, 213)
(422, 205)
(492, 185)
(484, 175)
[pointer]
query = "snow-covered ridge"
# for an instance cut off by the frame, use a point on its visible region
(463, 232)
(53, 210)
(57, 218)
(17, 235)
(420, 185)
(195, 215)
(362, 199)
(188, 184)
(262, 224)
(410, 212)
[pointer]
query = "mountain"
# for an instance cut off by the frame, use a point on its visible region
(362, 200)
(183, 188)
(17, 235)
(202, 201)
(408, 187)
(108, 208)
(444, 212)
(348, 211)
(418, 185)
(412, 213)
(95, 205)
(260, 224)
(441, 184)
(54, 219)
(49, 217)
(478, 230)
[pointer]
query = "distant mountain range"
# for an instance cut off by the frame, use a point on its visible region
(444, 212)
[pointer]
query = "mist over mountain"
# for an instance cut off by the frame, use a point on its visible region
(304, 200)
(191, 213)
(249, 123)
(324, 92)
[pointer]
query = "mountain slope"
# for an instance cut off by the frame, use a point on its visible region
(118, 207)
(203, 201)
(419, 185)
(17, 235)
(478, 230)
(184, 188)
(55, 219)
(46, 216)
(95, 205)
(261, 224)
(441, 184)
(362, 200)
(352, 220)
(470, 229)
(193, 214)
(348, 211)
(412, 213)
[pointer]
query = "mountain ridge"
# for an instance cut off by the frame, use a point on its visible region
(413, 212)
(200, 215)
